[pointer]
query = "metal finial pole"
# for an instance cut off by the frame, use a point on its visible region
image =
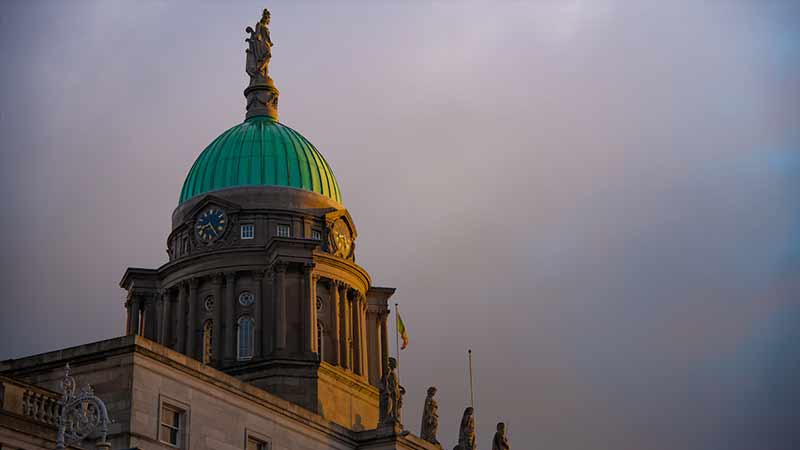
(471, 394)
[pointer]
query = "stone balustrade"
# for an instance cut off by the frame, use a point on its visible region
(37, 404)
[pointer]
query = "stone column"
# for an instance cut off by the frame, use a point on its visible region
(165, 324)
(362, 320)
(135, 319)
(280, 307)
(180, 317)
(191, 320)
(358, 325)
(217, 340)
(229, 302)
(149, 325)
(258, 332)
(133, 313)
(373, 323)
(335, 315)
(158, 313)
(309, 310)
(355, 330)
(346, 328)
(384, 336)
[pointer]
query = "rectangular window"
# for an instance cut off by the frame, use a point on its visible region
(248, 231)
(255, 444)
(316, 235)
(172, 420)
(284, 231)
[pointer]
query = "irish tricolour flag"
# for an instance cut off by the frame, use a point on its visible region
(401, 328)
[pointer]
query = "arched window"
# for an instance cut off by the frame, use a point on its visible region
(208, 339)
(320, 346)
(245, 339)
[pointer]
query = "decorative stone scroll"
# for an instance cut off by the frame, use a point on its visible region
(82, 414)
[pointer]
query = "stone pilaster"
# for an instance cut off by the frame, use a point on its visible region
(335, 316)
(180, 316)
(217, 340)
(149, 326)
(229, 318)
(191, 321)
(280, 307)
(165, 322)
(347, 328)
(309, 310)
(258, 313)
(133, 314)
(384, 336)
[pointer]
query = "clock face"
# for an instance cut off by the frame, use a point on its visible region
(341, 239)
(211, 224)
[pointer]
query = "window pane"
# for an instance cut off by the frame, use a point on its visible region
(245, 338)
(169, 416)
(169, 435)
(284, 231)
(254, 444)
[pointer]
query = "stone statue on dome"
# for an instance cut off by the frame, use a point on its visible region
(259, 51)
(261, 93)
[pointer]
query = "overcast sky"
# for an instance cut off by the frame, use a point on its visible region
(599, 197)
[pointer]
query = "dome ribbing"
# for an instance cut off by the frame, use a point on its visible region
(260, 152)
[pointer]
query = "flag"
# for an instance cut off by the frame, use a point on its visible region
(401, 328)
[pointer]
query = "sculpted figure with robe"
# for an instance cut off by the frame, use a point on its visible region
(259, 51)
(430, 418)
(466, 434)
(391, 395)
(500, 441)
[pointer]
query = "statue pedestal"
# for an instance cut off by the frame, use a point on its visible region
(262, 100)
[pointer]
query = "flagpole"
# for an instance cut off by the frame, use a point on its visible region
(471, 395)
(397, 336)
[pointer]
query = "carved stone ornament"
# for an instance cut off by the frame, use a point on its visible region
(82, 414)
(340, 239)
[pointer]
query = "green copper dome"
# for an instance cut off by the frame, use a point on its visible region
(260, 152)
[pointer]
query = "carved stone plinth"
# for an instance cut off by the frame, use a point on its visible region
(262, 100)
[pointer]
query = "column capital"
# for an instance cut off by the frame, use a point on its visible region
(259, 275)
(217, 279)
(194, 283)
(308, 267)
(230, 277)
(279, 267)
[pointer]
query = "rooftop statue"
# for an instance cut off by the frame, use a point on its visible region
(430, 418)
(261, 93)
(500, 441)
(391, 395)
(259, 51)
(466, 434)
